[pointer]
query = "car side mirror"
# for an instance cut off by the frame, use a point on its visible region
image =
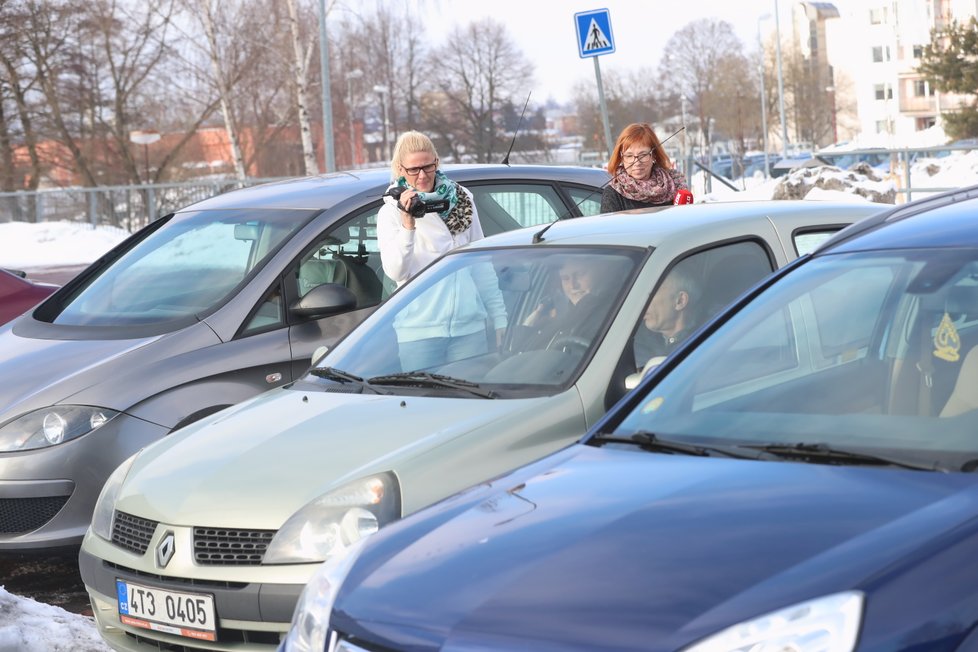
(632, 380)
(324, 300)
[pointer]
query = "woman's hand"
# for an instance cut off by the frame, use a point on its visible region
(407, 220)
(541, 313)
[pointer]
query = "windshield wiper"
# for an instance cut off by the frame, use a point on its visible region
(426, 379)
(344, 377)
(651, 442)
(822, 452)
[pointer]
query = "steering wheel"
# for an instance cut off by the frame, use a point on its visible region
(569, 343)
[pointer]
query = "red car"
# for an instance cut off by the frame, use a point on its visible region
(18, 294)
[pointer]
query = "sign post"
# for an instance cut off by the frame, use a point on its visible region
(594, 38)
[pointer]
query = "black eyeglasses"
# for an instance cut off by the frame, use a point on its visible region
(640, 157)
(427, 169)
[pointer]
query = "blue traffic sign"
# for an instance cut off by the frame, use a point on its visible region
(594, 35)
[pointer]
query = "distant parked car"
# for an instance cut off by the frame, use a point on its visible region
(233, 514)
(799, 476)
(18, 293)
(201, 309)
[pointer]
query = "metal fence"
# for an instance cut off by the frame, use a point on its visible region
(128, 207)
(132, 207)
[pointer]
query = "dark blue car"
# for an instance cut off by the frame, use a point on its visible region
(800, 476)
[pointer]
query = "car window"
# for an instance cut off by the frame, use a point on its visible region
(533, 316)
(269, 314)
(183, 270)
(867, 351)
(808, 241)
(587, 200)
(348, 255)
(696, 287)
(504, 207)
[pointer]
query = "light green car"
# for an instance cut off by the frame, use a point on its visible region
(205, 539)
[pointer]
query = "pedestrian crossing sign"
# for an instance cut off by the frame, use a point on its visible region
(594, 33)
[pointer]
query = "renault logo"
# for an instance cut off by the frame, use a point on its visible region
(164, 551)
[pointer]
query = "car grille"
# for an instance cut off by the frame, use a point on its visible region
(132, 533)
(224, 637)
(19, 515)
(227, 547)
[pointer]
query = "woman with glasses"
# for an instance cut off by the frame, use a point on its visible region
(410, 237)
(642, 174)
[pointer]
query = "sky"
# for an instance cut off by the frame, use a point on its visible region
(545, 31)
(29, 625)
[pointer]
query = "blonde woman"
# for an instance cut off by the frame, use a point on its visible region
(453, 325)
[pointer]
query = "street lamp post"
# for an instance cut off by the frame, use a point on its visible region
(784, 125)
(356, 73)
(835, 128)
(145, 138)
(760, 43)
(329, 158)
(384, 92)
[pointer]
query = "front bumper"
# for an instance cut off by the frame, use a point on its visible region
(253, 605)
(47, 495)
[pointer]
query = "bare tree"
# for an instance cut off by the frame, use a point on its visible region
(387, 44)
(480, 68)
(303, 46)
(630, 97)
(695, 63)
(221, 21)
(735, 103)
(17, 83)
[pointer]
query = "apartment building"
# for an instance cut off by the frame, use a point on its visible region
(878, 44)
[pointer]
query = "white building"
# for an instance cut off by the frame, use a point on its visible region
(878, 43)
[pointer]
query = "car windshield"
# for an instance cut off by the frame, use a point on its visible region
(182, 270)
(517, 320)
(872, 353)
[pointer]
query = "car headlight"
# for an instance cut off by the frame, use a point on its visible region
(51, 426)
(826, 624)
(336, 520)
(310, 622)
(105, 506)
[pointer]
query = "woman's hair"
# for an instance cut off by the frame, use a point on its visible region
(638, 132)
(410, 142)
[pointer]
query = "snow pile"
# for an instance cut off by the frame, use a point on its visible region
(860, 180)
(951, 171)
(29, 625)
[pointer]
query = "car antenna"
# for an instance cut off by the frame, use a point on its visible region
(518, 124)
(538, 236)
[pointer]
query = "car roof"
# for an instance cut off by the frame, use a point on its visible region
(648, 227)
(325, 190)
(944, 220)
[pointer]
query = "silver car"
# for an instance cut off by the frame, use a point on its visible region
(204, 308)
(204, 540)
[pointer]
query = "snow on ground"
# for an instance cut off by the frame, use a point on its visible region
(24, 245)
(29, 625)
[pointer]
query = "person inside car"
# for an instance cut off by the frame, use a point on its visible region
(671, 316)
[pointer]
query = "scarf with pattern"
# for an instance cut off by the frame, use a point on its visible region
(458, 217)
(659, 188)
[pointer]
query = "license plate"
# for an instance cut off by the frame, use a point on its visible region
(171, 612)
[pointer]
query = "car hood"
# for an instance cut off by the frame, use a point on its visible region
(38, 372)
(620, 549)
(285, 447)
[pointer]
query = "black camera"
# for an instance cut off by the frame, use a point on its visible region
(417, 208)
